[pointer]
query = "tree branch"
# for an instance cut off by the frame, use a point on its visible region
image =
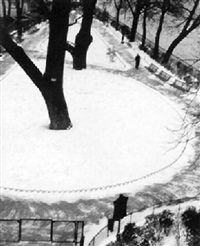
(191, 15)
(43, 8)
(130, 7)
(21, 58)
(76, 20)
(70, 47)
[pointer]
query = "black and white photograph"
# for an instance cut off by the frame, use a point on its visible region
(100, 122)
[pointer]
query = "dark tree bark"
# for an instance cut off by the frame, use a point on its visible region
(9, 8)
(192, 22)
(50, 85)
(84, 37)
(173, 46)
(139, 4)
(118, 7)
(53, 91)
(19, 8)
(57, 107)
(4, 8)
(144, 27)
(134, 26)
(21, 58)
(175, 42)
(159, 30)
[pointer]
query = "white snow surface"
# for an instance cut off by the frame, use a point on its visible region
(122, 131)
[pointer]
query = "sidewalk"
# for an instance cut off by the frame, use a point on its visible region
(28, 44)
(113, 38)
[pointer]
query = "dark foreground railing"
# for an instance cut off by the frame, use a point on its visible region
(41, 230)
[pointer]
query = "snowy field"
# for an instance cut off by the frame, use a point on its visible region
(97, 53)
(122, 131)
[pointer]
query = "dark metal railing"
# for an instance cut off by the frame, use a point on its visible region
(42, 230)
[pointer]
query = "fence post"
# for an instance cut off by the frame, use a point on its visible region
(51, 231)
(75, 232)
(178, 227)
(20, 230)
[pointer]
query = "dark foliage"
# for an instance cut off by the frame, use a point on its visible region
(191, 221)
(131, 233)
(166, 221)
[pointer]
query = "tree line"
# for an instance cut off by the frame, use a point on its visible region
(183, 14)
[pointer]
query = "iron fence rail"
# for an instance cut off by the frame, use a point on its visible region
(41, 230)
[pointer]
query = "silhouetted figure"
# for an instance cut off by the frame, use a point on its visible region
(137, 61)
(120, 206)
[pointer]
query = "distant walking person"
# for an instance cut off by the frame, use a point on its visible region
(137, 61)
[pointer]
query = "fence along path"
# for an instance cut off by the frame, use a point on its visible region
(175, 64)
(174, 205)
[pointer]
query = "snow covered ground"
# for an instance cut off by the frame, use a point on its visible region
(122, 131)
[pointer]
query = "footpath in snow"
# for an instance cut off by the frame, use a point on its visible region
(124, 134)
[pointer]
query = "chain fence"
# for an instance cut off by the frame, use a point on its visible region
(101, 188)
(99, 14)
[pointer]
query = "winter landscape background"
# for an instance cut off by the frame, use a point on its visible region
(124, 140)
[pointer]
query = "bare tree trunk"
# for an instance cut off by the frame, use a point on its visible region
(9, 8)
(144, 25)
(4, 9)
(57, 107)
(134, 26)
(19, 7)
(50, 85)
(84, 38)
(117, 19)
(118, 8)
(159, 30)
(80, 51)
(53, 91)
(21, 58)
(136, 11)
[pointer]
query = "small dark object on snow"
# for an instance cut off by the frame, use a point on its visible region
(137, 61)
